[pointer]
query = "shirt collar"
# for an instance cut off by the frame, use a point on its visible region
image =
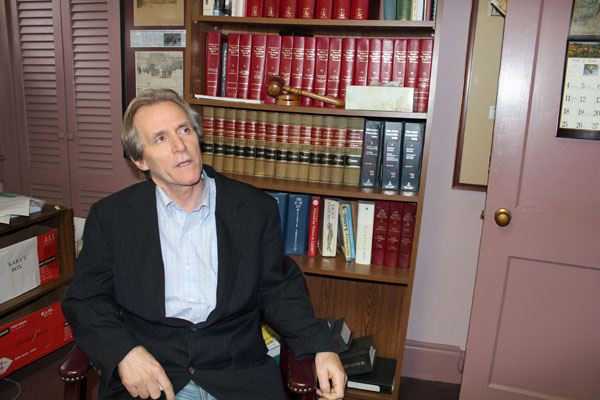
(168, 204)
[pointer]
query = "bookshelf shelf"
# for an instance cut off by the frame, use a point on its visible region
(325, 189)
(412, 26)
(338, 267)
(374, 299)
(309, 110)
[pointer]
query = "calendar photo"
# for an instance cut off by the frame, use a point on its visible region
(580, 105)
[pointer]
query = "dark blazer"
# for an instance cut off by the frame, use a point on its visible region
(116, 300)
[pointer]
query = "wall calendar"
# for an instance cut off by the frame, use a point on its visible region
(580, 106)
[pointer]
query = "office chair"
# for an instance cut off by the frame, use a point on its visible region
(298, 375)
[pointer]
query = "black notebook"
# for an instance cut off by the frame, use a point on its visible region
(380, 380)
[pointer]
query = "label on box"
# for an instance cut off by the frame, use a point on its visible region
(31, 337)
(19, 269)
(47, 256)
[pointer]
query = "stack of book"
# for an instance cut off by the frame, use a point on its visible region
(329, 149)
(410, 10)
(359, 358)
(366, 232)
(239, 65)
(392, 154)
(272, 341)
(416, 10)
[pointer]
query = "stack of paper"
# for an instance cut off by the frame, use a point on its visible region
(16, 204)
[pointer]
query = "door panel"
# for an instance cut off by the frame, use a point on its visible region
(68, 83)
(535, 321)
(95, 153)
(39, 84)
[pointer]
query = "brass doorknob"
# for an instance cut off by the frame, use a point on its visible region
(502, 216)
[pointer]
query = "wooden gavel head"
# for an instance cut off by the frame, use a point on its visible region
(276, 86)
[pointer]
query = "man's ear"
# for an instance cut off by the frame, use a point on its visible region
(141, 164)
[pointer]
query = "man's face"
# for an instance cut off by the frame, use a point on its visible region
(170, 147)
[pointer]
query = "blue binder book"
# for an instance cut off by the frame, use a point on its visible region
(282, 201)
(296, 226)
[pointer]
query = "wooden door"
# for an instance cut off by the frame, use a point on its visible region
(535, 323)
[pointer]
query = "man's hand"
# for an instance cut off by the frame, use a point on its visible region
(143, 376)
(329, 367)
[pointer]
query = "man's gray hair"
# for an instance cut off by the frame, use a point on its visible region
(130, 139)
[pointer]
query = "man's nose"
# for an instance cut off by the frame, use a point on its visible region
(177, 143)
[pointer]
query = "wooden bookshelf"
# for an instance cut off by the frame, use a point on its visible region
(372, 298)
(54, 217)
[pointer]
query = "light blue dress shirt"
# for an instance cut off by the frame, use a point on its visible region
(189, 249)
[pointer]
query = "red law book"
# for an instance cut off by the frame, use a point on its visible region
(359, 9)
(323, 9)
(380, 223)
(334, 64)
(387, 56)
(271, 9)
(408, 230)
(374, 68)
(412, 63)
(308, 69)
(341, 9)
(306, 9)
(423, 75)
(347, 68)
(297, 61)
(257, 67)
(287, 8)
(321, 57)
(362, 62)
(313, 225)
(399, 63)
(254, 8)
(272, 60)
(287, 56)
(394, 232)
(214, 40)
(233, 59)
(244, 65)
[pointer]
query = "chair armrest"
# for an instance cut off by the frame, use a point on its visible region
(75, 367)
(299, 374)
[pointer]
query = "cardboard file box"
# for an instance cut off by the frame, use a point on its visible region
(33, 331)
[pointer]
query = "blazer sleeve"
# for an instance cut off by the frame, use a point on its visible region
(90, 305)
(284, 301)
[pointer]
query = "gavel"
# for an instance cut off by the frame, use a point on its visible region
(276, 87)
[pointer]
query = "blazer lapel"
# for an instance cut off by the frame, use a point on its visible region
(230, 222)
(143, 222)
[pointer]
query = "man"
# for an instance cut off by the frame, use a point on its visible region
(176, 273)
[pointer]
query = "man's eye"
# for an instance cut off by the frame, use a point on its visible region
(185, 131)
(160, 139)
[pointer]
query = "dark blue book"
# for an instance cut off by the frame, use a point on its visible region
(282, 201)
(223, 69)
(412, 156)
(296, 224)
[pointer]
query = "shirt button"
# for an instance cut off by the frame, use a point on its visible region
(188, 268)
(192, 370)
(190, 300)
